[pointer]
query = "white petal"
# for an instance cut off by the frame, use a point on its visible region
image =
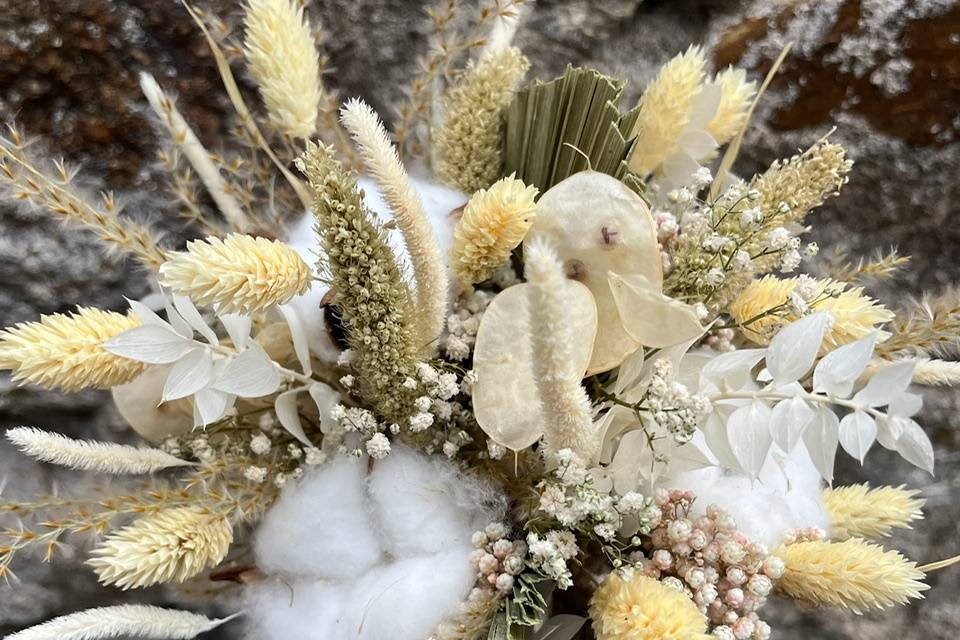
(915, 446)
(149, 343)
(837, 372)
(822, 437)
(301, 344)
(750, 439)
(238, 328)
(289, 415)
(858, 432)
(190, 374)
(794, 349)
(192, 317)
(886, 384)
(251, 374)
(789, 419)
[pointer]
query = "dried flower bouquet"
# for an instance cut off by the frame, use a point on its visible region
(525, 367)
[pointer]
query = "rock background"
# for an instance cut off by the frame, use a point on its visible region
(886, 73)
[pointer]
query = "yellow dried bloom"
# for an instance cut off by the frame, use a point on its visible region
(852, 574)
(665, 109)
(282, 56)
(468, 146)
(638, 607)
(494, 222)
(237, 274)
(736, 93)
(169, 546)
(65, 352)
(858, 511)
(855, 314)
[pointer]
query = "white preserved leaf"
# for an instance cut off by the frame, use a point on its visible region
(210, 405)
(748, 430)
(146, 315)
(250, 374)
(633, 461)
(176, 321)
(189, 313)
(648, 316)
(888, 431)
(289, 415)
(822, 437)
(611, 424)
(838, 371)
(190, 374)
(732, 371)
(238, 328)
(906, 405)
(915, 446)
(629, 372)
(689, 456)
(788, 420)
(858, 432)
(150, 343)
(717, 438)
(560, 627)
(326, 398)
(301, 343)
(794, 349)
(886, 384)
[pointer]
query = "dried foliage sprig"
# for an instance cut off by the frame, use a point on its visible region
(852, 574)
(882, 266)
(925, 324)
(237, 274)
(429, 270)
(123, 621)
(65, 351)
(373, 299)
(282, 56)
(859, 511)
(88, 455)
(186, 140)
(469, 143)
(23, 178)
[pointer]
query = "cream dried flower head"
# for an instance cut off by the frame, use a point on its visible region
(238, 274)
(282, 55)
(169, 546)
(736, 93)
(638, 607)
(852, 574)
(65, 352)
(859, 511)
(494, 223)
(665, 110)
(855, 314)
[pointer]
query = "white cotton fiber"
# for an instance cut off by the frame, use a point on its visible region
(358, 555)
(763, 509)
(321, 526)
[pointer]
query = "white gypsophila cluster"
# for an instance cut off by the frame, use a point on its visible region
(549, 554)
(671, 405)
(463, 323)
(343, 550)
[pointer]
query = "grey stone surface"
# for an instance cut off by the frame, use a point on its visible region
(68, 73)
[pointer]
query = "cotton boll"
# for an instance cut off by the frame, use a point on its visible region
(423, 505)
(320, 527)
(305, 610)
(406, 600)
(781, 498)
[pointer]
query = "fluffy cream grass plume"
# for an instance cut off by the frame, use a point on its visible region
(665, 109)
(736, 94)
(172, 545)
(638, 607)
(468, 145)
(237, 274)
(567, 416)
(859, 511)
(852, 574)
(493, 224)
(122, 621)
(381, 159)
(937, 373)
(186, 140)
(282, 57)
(88, 455)
(64, 351)
(854, 313)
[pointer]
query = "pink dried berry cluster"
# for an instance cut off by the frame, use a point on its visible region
(497, 559)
